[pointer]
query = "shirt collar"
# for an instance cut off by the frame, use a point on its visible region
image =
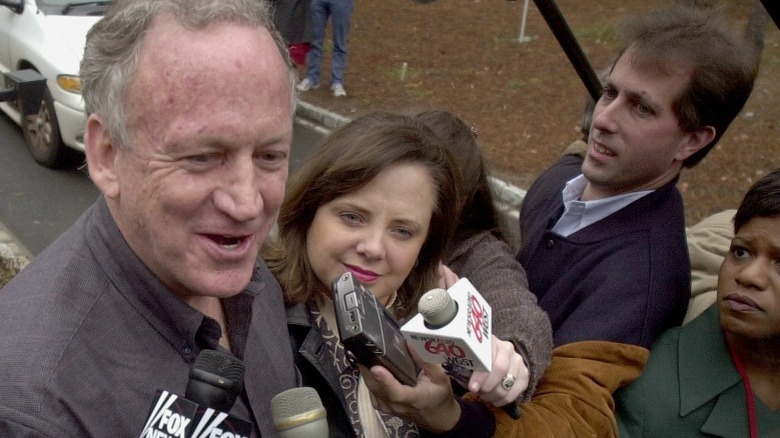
(706, 373)
(574, 188)
(579, 214)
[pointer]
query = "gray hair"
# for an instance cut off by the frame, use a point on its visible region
(112, 48)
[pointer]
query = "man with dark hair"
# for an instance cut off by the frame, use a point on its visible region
(603, 239)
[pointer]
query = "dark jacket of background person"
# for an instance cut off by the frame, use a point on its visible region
(625, 278)
(492, 269)
(292, 20)
(696, 389)
(107, 334)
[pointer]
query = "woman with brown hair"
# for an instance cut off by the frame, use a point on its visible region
(377, 198)
(726, 361)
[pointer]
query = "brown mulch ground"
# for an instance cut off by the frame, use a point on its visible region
(525, 99)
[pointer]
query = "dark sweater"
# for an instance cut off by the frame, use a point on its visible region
(625, 278)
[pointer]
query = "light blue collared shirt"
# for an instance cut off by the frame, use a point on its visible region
(579, 214)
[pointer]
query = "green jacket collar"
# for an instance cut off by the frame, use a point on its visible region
(709, 374)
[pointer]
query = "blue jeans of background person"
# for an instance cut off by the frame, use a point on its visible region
(340, 12)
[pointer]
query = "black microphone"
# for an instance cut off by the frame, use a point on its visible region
(298, 413)
(215, 381)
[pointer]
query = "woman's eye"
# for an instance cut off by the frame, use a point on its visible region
(403, 233)
(739, 252)
(350, 217)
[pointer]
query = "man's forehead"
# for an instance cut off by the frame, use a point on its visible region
(654, 64)
(647, 77)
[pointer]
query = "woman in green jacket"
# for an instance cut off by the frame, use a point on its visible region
(720, 374)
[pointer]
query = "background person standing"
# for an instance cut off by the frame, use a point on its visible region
(291, 19)
(340, 12)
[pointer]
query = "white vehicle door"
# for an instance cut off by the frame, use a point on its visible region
(7, 18)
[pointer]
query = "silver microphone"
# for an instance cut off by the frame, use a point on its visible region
(437, 308)
(298, 413)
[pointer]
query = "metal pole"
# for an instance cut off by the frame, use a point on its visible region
(773, 8)
(523, 38)
(568, 42)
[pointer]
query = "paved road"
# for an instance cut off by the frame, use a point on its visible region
(37, 204)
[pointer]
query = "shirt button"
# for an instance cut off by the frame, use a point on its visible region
(550, 243)
(187, 350)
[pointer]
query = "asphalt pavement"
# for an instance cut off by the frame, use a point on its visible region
(508, 197)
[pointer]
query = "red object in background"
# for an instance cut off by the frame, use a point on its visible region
(298, 52)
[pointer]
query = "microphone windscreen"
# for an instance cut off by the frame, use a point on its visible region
(215, 380)
(298, 412)
(221, 364)
(437, 308)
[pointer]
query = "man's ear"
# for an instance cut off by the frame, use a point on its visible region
(695, 141)
(101, 153)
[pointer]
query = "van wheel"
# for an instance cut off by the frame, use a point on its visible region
(42, 134)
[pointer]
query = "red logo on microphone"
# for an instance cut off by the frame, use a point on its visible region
(476, 315)
(448, 349)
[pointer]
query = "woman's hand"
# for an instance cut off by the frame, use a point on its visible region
(430, 404)
(506, 363)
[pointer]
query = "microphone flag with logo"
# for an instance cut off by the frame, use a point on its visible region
(453, 327)
(215, 380)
